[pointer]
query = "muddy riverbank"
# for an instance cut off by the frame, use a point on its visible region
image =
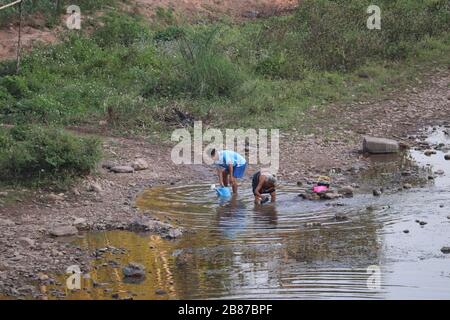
(30, 256)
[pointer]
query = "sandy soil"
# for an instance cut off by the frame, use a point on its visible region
(214, 8)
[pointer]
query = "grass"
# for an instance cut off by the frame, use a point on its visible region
(144, 78)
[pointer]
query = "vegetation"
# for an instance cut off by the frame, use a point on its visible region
(144, 78)
(35, 155)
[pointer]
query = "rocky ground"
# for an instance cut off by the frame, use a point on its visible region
(37, 226)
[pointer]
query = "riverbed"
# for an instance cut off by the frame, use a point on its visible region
(363, 247)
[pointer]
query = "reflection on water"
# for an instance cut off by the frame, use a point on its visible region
(292, 249)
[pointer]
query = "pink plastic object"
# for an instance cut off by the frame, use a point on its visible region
(318, 189)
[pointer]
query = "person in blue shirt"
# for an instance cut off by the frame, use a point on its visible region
(230, 167)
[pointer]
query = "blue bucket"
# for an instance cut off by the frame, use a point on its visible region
(223, 192)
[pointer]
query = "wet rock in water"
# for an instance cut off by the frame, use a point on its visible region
(122, 169)
(445, 250)
(140, 164)
(160, 292)
(407, 186)
(439, 172)
(81, 224)
(347, 191)
(331, 195)
(164, 229)
(379, 145)
(341, 217)
(447, 156)
(376, 192)
(134, 270)
(405, 231)
(63, 231)
(429, 152)
(422, 223)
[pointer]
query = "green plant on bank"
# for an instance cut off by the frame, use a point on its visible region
(146, 78)
(37, 156)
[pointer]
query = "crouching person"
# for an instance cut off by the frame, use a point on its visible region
(264, 183)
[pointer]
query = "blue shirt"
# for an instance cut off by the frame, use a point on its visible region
(227, 157)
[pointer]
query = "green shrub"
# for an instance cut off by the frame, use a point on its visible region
(41, 155)
(16, 86)
(120, 30)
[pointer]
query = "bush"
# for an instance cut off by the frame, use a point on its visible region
(120, 30)
(202, 71)
(41, 155)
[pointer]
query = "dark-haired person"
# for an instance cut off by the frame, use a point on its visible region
(264, 183)
(230, 167)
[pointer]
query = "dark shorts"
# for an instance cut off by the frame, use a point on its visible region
(255, 182)
(238, 171)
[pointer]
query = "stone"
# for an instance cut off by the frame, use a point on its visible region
(55, 197)
(330, 195)
(347, 191)
(63, 231)
(160, 292)
(122, 169)
(447, 156)
(429, 152)
(3, 194)
(26, 242)
(174, 233)
(379, 145)
(80, 224)
(407, 186)
(134, 270)
(94, 187)
(405, 231)
(340, 216)
(376, 193)
(6, 222)
(108, 165)
(445, 250)
(139, 165)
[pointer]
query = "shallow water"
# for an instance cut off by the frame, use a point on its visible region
(239, 251)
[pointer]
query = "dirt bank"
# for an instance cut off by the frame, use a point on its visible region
(28, 252)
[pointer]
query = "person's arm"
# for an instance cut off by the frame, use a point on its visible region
(219, 173)
(258, 195)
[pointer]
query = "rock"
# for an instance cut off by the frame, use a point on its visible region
(174, 233)
(341, 217)
(94, 187)
(134, 270)
(108, 165)
(329, 195)
(139, 164)
(347, 191)
(63, 231)
(376, 193)
(422, 223)
(407, 186)
(429, 152)
(55, 197)
(26, 242)
(445, 250)
(122, 169)
(6, 222)
(380, 145)
(80, 224)
(3, 194)
(405, 231)
(447, 156)
(439, 172)
(160, 292)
